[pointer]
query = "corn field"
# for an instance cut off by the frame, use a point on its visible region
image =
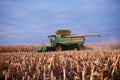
(63, 65)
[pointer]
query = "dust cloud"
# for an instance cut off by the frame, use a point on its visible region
(113, 43)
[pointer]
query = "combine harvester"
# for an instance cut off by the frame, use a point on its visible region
(64, 40)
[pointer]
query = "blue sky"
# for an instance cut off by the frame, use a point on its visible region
(30, 21)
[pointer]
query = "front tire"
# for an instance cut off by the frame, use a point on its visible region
(75, 47)
(59, 48)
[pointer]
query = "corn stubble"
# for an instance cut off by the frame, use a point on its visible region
(65, 65)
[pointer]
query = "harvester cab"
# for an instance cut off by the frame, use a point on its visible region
(64, 40)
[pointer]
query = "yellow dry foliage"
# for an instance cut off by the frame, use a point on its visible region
(64, 65)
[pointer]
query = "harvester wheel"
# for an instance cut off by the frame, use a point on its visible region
(59, 48)
(75, 48)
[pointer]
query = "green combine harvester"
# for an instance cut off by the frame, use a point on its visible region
(64, 40)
